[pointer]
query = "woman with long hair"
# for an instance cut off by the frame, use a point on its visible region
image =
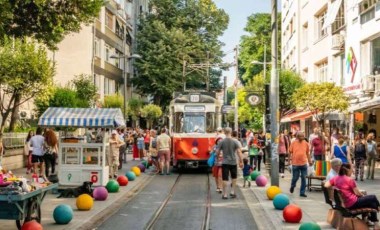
(28, 152)
(342, 151)
(51, 151)
(37, 142)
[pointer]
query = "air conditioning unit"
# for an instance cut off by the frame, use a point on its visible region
(337, 41)
(368, 83)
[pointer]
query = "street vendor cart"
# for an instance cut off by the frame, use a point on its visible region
(23, 207)
(81, 159)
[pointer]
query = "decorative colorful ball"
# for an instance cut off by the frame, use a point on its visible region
(280, 201)
(84, 202)
(254, 175)
(261, 181)
(150, 162)
(63, 214)
(112, 186)
(141, 167)
(122, 180)
(130, 175)
(272, 191)
(136, 170)
(292, 213)
(145, 163)
(100, 193)
(31, 225)
(309, 226)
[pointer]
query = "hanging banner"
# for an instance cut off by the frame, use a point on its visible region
(253, 99)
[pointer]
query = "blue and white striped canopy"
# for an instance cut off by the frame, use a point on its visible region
(81, 117)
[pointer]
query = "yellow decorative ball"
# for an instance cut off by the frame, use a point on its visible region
(272, 191)
(136, 170)
(84, 202)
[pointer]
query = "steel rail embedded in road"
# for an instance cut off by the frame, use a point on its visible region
(206, 219)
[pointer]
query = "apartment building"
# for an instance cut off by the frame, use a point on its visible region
(94, 49)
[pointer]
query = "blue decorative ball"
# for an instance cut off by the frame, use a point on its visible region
(131, 176)
(63, 214)
(280, 201)
(309, 226)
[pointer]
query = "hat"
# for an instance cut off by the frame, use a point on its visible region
(114, 132)
(335, 162)
(219, 129)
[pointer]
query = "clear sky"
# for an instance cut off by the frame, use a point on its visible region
(238, 10)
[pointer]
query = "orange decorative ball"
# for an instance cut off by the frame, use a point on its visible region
(123, 180)
(31, 225)
(292, 213)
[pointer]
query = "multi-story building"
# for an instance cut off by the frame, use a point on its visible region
(99, 49)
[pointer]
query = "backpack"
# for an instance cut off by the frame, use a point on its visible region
(371, 148)
(360, 149)
(154, 143)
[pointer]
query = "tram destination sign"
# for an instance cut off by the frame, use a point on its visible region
(227, 108)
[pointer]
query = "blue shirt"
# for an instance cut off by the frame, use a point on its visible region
(246, 170)
(341, 153)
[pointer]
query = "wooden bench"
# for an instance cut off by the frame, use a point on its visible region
(343, 218)
(317, 186)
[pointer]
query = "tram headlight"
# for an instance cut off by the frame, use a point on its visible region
(194, 150)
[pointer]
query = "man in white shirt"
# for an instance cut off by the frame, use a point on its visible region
(37, 142)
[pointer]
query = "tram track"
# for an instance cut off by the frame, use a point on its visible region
(207, 205)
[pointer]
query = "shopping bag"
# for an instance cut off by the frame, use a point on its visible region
(211, 159)
(310, 170)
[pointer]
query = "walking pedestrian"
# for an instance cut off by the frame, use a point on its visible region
(28, 152)
(299, 158)
(123, 148)
(217, 168)
(113, 155)
(230, 147)
(360, 156)
(247, 172)
(141, 146)
(51, 151)
(282, 150)
(37, 142)
(153, 150)
(341, 151)
(317, 146)
(262, 144)
(135, 150)
(372, 155)
(163, 146)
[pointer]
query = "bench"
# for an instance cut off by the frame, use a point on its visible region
(311, 186)
(343, 218)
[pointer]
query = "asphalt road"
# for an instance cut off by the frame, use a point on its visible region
(185, 209)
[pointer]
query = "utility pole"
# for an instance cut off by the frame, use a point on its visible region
(274, 98)
(236, 83)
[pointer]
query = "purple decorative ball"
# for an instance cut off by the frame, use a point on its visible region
(141, 167)
(100, 193)
(261, 181)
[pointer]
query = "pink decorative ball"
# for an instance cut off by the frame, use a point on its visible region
(100, 193)
(261, 181)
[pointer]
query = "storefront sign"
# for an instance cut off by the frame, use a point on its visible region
(227, 108)
(194, 109)
(351, 64)
(253, 99)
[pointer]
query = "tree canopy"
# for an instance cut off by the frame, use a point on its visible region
(321, 99)
(26, 72)
(289, 83)
(47, 21)
(151, 113)
(177, 31)
(85, 89)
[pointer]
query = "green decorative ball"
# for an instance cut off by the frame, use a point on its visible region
(309, 226)
(112, 186)
(254, 175)
(145, 163)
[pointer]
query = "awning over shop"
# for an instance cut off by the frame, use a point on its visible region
(296, 116)
(332, 13)
(81, 117)
(366, 105)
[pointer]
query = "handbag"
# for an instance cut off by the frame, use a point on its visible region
(211, 159)
(261, 152)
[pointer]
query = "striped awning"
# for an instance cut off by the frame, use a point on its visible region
(81, 117)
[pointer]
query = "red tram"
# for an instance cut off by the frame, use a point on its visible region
(194, 118)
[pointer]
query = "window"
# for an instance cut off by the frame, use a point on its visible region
(305, 40)
(96, 47)
(376, 56)
(106, 86)
(320, 20)
(117, 60)
(305, 73)
(109, 20)
(107, 53)
(367, 16)
(97, 82)
(366, 5)
(321, 72)
(340, 19)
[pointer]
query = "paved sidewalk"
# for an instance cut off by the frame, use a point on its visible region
(86, 219)
(313, 207)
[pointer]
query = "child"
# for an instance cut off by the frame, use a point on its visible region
(246, 172)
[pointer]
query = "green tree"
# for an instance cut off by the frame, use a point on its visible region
(252, 45)
(320, 99)
(46, 21)
(26, 72)
(134, 108)
(177, 31)
(289, 83)
(151, 113)
(85, 89)
(114, 101)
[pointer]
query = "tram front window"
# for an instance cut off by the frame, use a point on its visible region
(194, 124)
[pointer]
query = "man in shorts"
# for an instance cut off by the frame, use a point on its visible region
(37, 142)
(230, 147)
(163, 147)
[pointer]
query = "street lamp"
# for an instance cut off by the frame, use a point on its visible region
(129, 57)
